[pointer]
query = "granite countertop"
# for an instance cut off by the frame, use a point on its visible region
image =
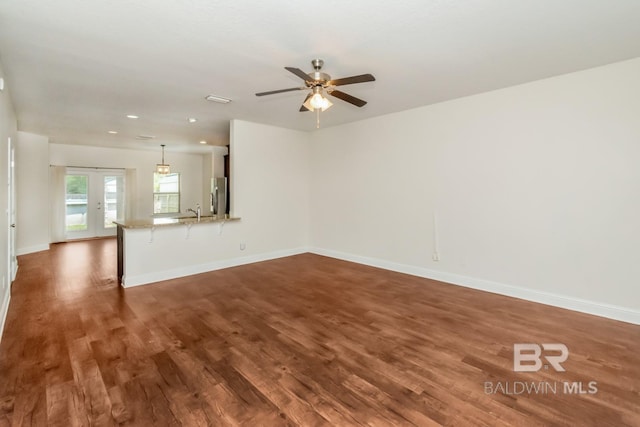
(166, 222)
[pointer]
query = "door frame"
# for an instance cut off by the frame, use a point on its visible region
(95, 204)
(12, 259)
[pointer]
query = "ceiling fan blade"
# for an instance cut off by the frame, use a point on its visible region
(298, 72)
(346, 97)
(279, 91)
(302, 107)
(351, 80)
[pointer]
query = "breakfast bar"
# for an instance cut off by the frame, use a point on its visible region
(155, 249)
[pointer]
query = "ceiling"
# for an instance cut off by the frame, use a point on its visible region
(76, 68)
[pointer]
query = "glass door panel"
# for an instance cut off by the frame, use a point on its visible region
(76, 203)
(113, 202)
(94, 199)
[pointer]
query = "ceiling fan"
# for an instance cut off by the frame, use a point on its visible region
(321, 83)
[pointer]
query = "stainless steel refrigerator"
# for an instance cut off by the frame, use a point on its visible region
(219, 196)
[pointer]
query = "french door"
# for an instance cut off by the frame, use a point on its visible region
(94, 198)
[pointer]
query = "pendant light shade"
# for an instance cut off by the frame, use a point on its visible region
(162, 168)
(317, 101)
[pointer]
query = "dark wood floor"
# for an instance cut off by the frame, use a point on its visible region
(305, 340)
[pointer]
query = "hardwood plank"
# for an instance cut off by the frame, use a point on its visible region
(303, 340)
(57, 396)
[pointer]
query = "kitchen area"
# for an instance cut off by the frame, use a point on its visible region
(268, 190)
(181, 231)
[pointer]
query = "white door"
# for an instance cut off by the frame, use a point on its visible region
(94, 199)
(11, 212)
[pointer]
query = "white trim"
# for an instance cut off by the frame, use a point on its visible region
(157, 276)
(32, 249)
(4, 310)
(576, 304)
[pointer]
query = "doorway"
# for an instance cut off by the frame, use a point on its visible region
(11, 212)
(94, 198)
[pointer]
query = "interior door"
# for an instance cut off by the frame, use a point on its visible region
(11, 212)
(94, 199)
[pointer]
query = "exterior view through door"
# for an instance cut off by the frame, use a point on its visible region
(94, 198)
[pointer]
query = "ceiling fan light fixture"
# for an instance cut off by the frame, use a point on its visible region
(325, 104)
(316, 100)
(319, 82)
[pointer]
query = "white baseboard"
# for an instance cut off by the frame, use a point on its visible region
(4, 310)
(32, 249)
(157, 276)
(576, 304)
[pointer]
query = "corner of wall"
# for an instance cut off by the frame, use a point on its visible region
(4, 311)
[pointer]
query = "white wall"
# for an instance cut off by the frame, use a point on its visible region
(8, 129)
(32, 186)
(270, 186)
(207, 174)
(190, 167)
(536, 189)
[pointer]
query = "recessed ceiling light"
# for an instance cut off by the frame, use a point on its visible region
(132, 116)
(203, 142)
(112, 132)
(219, 99)
(192, 119)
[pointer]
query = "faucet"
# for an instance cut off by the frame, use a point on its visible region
(196, 211)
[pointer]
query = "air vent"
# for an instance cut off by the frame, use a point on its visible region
(145, 137)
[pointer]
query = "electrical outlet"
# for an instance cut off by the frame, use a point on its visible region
(435, 256)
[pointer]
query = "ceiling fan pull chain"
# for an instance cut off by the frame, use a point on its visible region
(317, 118)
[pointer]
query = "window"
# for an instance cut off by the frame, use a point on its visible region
(166, 193)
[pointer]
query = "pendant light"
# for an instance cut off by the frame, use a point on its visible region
(162, 168)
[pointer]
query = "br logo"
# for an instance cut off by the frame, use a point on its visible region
(532, 353)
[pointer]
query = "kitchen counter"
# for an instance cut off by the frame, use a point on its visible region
(155, 249)
(163, 222)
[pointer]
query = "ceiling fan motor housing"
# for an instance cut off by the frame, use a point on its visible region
(317, 76)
